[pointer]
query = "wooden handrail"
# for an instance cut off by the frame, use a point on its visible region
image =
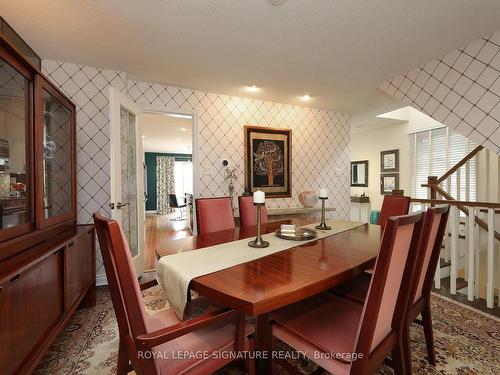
(448, 197)
(469, 156)
(457, 203)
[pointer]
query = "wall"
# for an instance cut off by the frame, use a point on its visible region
(460, 90)
(320, 141)
(367, 145)
(150, 161)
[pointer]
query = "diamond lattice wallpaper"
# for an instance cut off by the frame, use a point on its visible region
(460, 89)
(320, 140)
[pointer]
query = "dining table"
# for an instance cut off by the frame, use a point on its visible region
(263, 285)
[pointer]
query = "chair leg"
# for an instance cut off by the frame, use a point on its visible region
(122, 367)
(429, 336)
(398, 360)
(406, 348)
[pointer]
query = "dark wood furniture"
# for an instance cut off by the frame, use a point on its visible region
(263, 285)
(277, 280)
(332, 325)
(356, 289)
(141, 336)
(47, 262)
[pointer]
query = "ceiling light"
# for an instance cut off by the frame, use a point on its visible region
(252, 88)
(143, 136)
(306, 97)
(183, 129)
(178, 139)
(277, 2)
(179, 116)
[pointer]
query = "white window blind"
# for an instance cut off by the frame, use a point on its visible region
(434, 152)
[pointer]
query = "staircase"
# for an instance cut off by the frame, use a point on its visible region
(470, 258)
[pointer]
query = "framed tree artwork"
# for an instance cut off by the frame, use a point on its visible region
(268, 160)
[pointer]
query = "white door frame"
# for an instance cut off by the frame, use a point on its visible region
(194, 143)
(116, 101)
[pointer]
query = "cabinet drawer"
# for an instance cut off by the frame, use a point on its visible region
(79, 267)
(31, 305)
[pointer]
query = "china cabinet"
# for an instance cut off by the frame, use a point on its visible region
(47, 261)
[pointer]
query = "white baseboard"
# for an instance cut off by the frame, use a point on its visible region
(101, 280)
(152, 212)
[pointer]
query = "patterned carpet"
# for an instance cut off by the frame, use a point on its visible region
(467, 341)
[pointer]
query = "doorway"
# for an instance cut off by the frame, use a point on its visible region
(142, 207)
(167, 144)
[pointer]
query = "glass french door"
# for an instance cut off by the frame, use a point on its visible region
(127, 189)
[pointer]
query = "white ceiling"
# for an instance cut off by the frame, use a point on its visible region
(163, 133)
(338, 51)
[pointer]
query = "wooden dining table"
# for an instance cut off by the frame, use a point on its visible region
(280, 279)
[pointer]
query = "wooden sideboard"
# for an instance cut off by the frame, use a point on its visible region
(47, 261)
(39, 291)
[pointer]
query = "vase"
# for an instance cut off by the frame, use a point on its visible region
(308, 198)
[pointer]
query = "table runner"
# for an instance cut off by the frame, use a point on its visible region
(175, 272)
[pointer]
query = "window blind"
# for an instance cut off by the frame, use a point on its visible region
(432, 153)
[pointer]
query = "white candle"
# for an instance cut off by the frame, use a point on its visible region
(323, 193)
(259, 197)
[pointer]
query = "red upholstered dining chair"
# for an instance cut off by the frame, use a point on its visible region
(150, 342)
(393, 205)
(248, 212)
(429, 253)
(214, 214)
(345, 337)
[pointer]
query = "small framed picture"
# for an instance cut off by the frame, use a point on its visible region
(388, 183)
(389, 161)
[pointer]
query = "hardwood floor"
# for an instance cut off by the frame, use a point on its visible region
(162, 227)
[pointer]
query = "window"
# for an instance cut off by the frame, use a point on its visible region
(433, 153)
(183, 178)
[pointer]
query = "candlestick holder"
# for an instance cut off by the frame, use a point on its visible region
(323, 225)
(258, 242)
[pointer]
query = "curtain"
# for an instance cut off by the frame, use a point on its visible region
(165, 183)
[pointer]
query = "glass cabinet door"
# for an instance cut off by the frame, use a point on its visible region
(16, 215)
(55, 130)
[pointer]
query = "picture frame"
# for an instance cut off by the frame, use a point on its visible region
(359, 173)
(388, 183)
(389, 161)
(268, 160)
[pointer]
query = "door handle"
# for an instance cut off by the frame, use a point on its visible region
(120, 205)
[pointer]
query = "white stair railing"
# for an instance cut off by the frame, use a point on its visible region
(468, 263)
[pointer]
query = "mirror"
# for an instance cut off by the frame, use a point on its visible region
(359, 173)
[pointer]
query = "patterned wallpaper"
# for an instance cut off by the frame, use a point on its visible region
(460, 89)
(320, 138)
(88, 88)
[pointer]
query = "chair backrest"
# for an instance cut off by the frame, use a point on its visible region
(121, 275)
(214, 214)
(430, 249)
(248, 212)
(393, 206)
(172, 201)
(387, 301)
